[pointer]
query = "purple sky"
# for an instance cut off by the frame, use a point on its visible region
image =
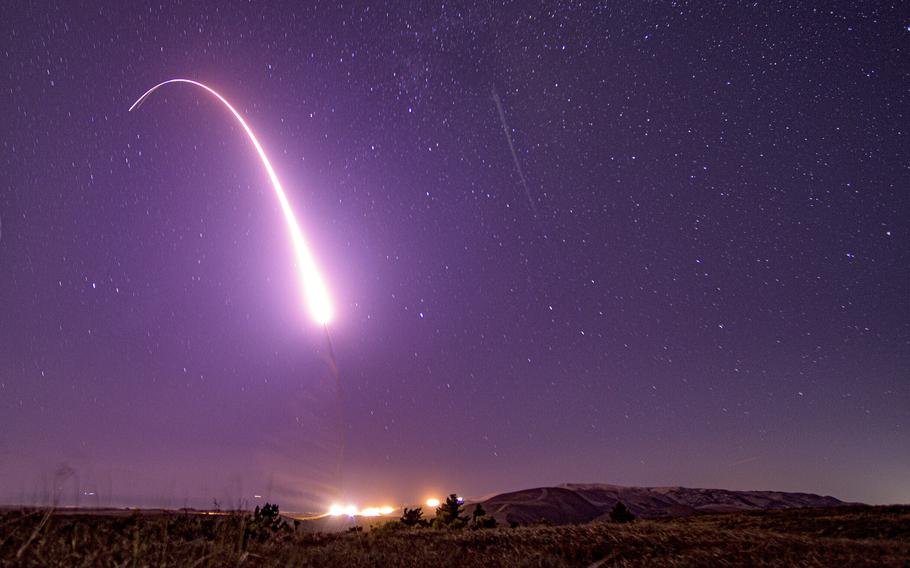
(714, 291)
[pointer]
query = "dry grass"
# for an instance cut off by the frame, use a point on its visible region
(850, 536)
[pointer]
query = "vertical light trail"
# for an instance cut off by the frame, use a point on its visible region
(315, 294)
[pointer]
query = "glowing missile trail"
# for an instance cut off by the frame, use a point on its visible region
(315, 293)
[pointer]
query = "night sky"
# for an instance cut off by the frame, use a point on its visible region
(713, 290)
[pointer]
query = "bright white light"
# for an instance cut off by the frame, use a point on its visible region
(352, 511)
(337, 510)
(432, 502)
(315, 291)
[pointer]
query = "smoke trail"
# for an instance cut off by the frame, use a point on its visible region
(339, 400)
(315, 291)
(505, 129)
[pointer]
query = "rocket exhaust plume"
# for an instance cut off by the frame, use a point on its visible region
(315, 293)
(333, 365)
(314, 290)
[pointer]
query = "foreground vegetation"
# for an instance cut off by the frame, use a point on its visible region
(848, 536)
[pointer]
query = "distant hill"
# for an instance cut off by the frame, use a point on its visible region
(580, 503)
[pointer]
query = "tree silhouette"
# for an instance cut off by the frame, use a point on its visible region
(620, 514)
(412, 517)
(448, 514)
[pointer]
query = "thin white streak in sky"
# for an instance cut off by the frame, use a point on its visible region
(508, 133)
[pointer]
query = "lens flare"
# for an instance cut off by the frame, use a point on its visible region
(315, 292)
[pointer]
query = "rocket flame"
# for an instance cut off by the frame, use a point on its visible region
(314, 289)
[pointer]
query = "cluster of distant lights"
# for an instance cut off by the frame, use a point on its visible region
(337, 510)
(353, 511)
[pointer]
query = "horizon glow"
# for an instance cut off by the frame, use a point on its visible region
(337, 510)
(315, 292)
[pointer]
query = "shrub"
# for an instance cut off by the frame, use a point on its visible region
(481, 520)
(620, 514)
(412, 517)
(265, 523)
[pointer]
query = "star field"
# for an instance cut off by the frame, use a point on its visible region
(708, 286)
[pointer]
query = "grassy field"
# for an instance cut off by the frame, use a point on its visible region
(847, 536)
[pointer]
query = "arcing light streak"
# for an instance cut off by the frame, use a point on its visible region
(315, 292)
